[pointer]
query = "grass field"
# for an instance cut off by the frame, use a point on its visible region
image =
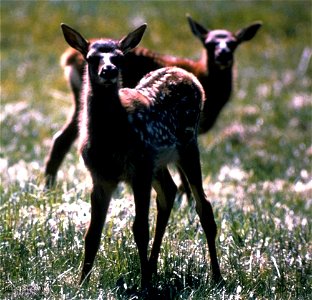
(256, 160)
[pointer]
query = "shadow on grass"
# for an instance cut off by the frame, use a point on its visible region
(173, 287)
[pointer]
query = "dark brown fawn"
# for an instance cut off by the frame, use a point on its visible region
(213, 69)
(132, 135)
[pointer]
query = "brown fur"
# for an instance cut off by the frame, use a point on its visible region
(216, 81)
(132, 135)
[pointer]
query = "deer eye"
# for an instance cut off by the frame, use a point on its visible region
(231, 44)
(211, 44)
(116, 60)
(93, 59)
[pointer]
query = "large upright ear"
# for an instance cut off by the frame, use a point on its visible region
(75, 39)
(198, 30)
(130, 41)
(247, 33)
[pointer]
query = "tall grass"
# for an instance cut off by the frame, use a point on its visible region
(256, 161)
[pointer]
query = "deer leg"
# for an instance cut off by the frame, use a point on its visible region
(166, 191)
(190, 164)
(61, 145)
(64, 138)
(184, 187)
(100, 198)
(142, 192)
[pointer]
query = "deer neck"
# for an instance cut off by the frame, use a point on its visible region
(218, 88)
(106, 116)
(218, 85)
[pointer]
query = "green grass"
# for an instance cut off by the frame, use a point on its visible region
(256, 160)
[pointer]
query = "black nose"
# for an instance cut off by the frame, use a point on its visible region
(225, 55)
(109, 72)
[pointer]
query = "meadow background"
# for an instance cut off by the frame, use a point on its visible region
(256, 160)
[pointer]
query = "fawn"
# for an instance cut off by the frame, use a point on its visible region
(132, 135)
(213, 69)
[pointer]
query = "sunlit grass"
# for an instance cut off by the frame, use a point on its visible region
(256, 161)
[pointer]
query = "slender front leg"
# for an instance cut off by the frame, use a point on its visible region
(142, 186)
(100, 198)
(190, 164)
(166, 192)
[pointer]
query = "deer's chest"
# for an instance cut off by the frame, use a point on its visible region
(115, 163)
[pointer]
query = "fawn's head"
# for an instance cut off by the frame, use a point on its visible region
(104, 57)
(221, 44)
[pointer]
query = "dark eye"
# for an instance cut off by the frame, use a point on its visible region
(211, 44)
(231, 44)
(116, 60)
(93, 59)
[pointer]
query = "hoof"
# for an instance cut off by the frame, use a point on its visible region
(219, 282)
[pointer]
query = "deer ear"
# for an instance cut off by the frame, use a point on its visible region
(197, 29)
(247, 33)
(75, 39)
(130, 41)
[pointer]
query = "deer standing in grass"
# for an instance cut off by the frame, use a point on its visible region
(213, 69)
(132, 135)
